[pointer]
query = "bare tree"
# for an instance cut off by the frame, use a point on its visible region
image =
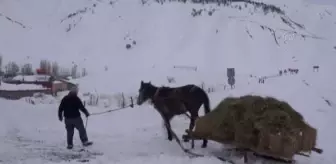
(55, 69)
(74, 71)
(27, 69)
(48, 68)
(42, 65)
(12, 68)
(84, 72)
(64, 72)
(0, 63)
(45, 66)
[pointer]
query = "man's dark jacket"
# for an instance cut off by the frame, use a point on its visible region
(70, 106)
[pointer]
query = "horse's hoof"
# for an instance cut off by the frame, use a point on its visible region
(204, 146)
(185, 138)
(170, 138)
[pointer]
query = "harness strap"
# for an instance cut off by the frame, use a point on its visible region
(156, 93)
(183, 107)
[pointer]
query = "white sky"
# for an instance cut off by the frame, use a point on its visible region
(323, 2)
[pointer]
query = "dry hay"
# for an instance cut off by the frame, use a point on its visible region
(248, 121)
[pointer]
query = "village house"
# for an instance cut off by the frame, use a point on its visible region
(46, 83)
(58, 86)
(44, 80)
(17, 91)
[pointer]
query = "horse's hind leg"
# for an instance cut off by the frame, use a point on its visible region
(170, 137)
(191, 127)
(205, 143)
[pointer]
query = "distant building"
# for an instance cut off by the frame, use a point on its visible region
(17, 91)
(44, 80)
(55, 84)
(58, 86)
(68, 83)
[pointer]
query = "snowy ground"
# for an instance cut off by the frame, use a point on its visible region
(166, 35)
(15, 87)
(33, 134)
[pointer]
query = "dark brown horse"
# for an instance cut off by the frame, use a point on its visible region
(170, 102)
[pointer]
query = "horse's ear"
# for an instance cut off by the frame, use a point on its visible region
(150, 82)
(142, 82)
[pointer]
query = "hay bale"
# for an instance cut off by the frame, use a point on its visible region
(258, 123)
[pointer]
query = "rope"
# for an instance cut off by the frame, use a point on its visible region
(112, 110)
(108, 111)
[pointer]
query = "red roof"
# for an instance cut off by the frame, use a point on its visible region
(40, 71)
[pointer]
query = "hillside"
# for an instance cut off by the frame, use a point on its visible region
(94, 34)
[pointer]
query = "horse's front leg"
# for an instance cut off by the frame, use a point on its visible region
(168, 127)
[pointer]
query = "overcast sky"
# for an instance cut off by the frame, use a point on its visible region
(323, 2)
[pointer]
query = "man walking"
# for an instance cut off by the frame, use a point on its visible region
(70, 106)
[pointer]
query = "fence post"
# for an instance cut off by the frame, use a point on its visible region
(202, 85)
(123, 103)
(231, 76)
(132, 104)
(97, 100)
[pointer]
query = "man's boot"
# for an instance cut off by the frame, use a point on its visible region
(69, 146)
(87, 143)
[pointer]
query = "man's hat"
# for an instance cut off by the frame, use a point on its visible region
(74, 89)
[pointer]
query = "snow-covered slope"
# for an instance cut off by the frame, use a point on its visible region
(165, 36)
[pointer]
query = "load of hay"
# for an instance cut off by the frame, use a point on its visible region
(265, 125)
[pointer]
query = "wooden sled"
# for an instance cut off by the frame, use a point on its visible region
(267, 146)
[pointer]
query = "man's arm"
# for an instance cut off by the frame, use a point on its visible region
(82, 108)
(60, 111)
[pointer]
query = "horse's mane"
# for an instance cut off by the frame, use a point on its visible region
(165, 87)
(162, 87)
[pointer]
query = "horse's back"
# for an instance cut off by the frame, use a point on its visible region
(190, 87)
(189, 91)
(193, 93)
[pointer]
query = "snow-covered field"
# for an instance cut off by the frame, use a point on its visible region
(166, 35)
(33, 134)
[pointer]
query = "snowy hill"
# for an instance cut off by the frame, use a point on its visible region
(257, 38)
(168, 35)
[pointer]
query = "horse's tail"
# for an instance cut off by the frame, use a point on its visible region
(206, 103)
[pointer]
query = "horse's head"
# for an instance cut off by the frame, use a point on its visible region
(146, 91)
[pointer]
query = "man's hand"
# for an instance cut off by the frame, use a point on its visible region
(87, 114)
(60, 118)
